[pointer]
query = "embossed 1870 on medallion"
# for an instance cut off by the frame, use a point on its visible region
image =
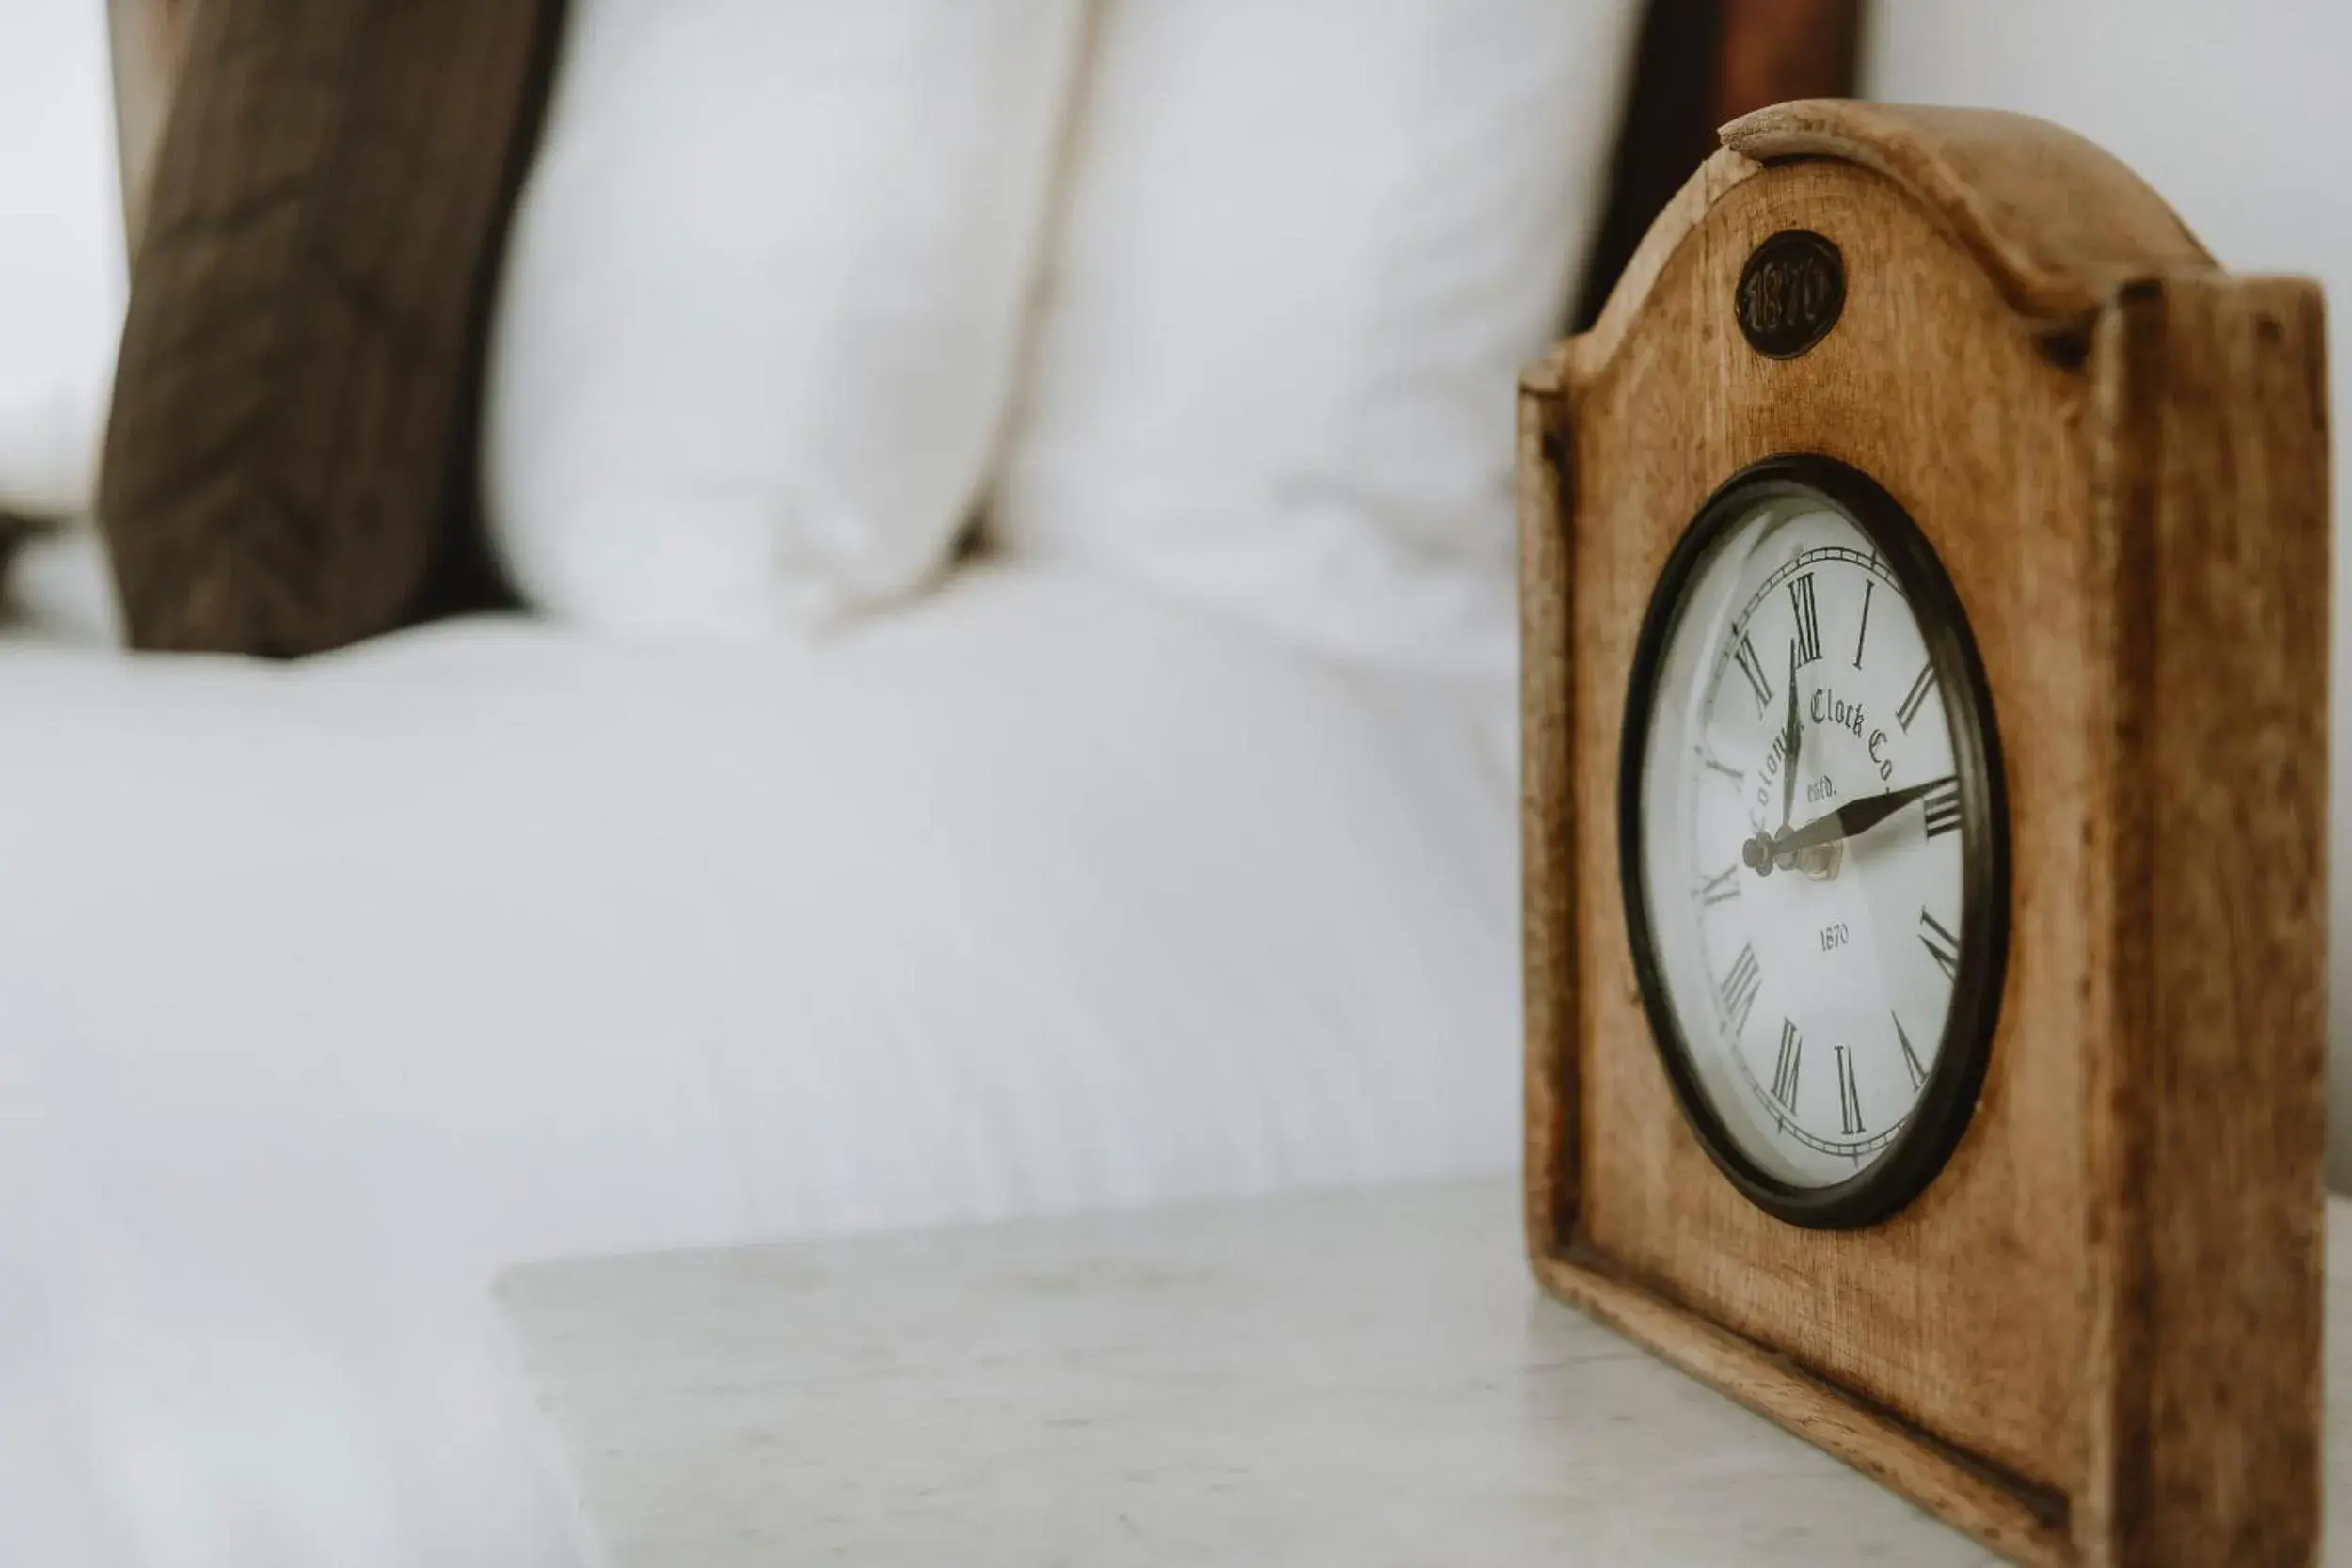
(1925, 574)
(1790, 292)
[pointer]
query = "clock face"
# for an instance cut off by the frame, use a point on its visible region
(1814, 842)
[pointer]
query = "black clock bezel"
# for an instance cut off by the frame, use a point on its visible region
(1947, 1102)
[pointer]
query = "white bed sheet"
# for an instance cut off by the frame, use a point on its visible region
(326, 991)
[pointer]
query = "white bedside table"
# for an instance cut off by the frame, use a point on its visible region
(1357, 1379)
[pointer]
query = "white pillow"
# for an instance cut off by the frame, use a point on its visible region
(1308, 247)
(758, 325)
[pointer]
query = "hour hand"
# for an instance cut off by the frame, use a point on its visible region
(1853, 818)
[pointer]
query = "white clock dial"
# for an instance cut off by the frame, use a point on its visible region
(1802, 843)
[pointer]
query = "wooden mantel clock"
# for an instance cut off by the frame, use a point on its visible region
(1925, 582)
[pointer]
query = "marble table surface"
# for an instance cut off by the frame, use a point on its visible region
(1353, 1379)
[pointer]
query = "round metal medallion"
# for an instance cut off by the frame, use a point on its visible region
(1791, 294)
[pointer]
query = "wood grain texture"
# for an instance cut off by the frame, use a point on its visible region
(2025, 1522)
(2212, 453)
(1548, 804)
(1876, 1310)
(306, 314)
(1581, 356)
(2055, 221)
(2092, 1340)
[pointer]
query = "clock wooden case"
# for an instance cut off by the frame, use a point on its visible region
(2092, 1336)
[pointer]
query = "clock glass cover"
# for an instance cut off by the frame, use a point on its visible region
(1814, 842)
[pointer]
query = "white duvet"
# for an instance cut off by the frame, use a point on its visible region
(326, 991)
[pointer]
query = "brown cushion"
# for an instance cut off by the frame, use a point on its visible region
(290, 450)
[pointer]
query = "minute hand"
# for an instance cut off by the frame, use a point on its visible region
(1855, 817)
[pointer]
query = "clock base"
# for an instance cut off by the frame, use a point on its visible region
(2016, 1516)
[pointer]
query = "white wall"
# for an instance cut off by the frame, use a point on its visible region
(61, 267)
(2238, 114)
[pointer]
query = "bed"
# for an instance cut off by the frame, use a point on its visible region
(1046, 895)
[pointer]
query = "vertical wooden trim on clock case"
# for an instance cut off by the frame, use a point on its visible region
(2206, 1119)
(1547, 805)
(2116, 1055)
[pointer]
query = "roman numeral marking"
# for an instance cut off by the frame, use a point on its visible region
(1911, 1057)
(1849, 1098)
(1724, 769)
(1920, 690)
(1861, 635)
(1809, 619)
(1739, 988)
(1724, 885)
(1942, 805)
(1784, 1069)
(1941, 944)
(1753, 668)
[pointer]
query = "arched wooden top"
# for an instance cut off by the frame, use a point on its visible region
(2058, 223)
